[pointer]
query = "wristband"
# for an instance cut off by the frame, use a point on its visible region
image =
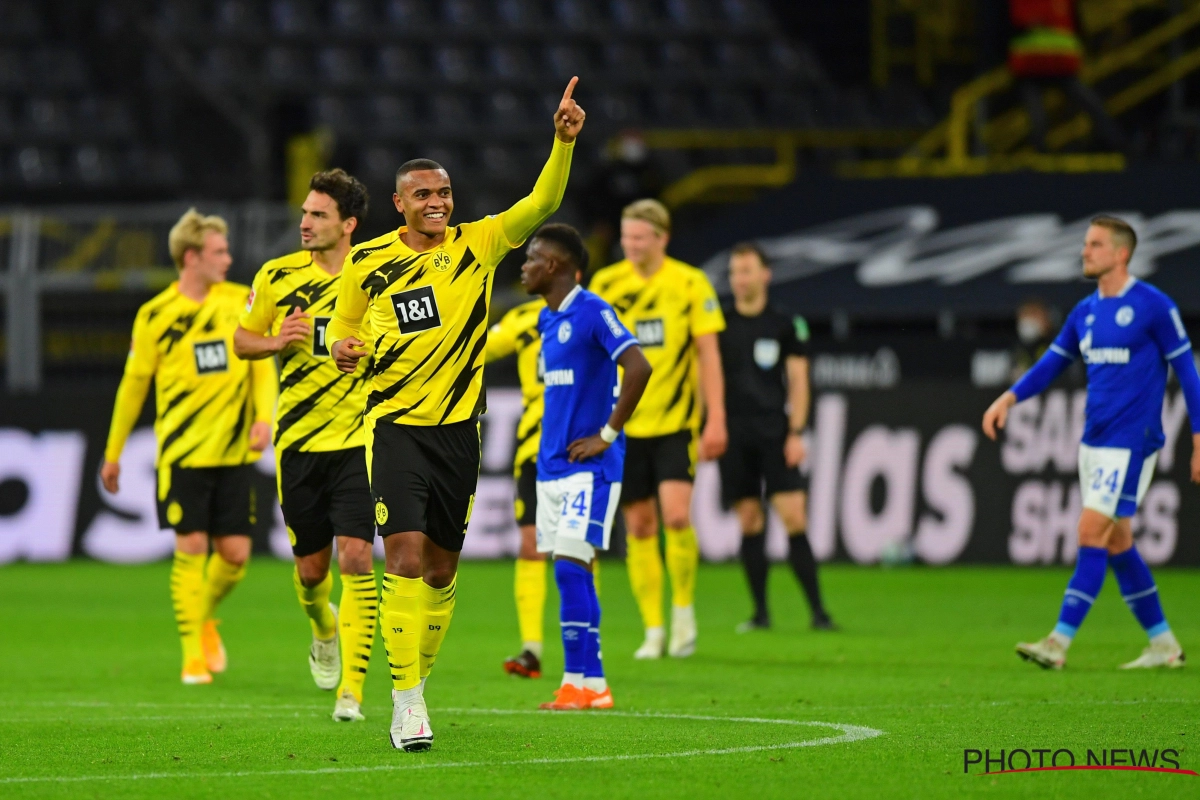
(609, 434)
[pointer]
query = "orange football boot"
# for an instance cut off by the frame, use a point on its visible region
(196, 672)
(214, 649)
(598, 699)
(567, 698)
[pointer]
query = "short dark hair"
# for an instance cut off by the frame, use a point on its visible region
(745, 248)
(568, 241)
(347, 192)
(417, 165)
(1122, 232)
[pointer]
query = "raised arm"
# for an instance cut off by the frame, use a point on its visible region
(531, 211)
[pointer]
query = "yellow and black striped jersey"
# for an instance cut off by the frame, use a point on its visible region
(428, 311)
(320, 407)
(666, 313)
(517, 332)
(206, 397)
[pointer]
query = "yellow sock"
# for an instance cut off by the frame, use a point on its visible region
(187, 595)
(596, 574)
(530, 591)
(315, 602)
(683, 556)
(220, 579)
(437, 607)
(400, 610)
(356, 618)
(646, 578)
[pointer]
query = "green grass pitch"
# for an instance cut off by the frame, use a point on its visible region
(91, 704)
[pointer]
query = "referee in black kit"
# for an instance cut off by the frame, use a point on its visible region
(765, 354)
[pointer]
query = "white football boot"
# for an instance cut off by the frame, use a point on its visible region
(1161, 654)
(325, 659)
(652, 647)
(347, 708)
(1047, 653)
(410, 729)
(683, 631)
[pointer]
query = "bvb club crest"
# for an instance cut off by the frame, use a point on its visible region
(441, 261)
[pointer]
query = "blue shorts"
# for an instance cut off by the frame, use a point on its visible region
(579, 508)
(1113, 480)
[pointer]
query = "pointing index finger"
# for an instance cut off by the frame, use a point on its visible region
(570, 88)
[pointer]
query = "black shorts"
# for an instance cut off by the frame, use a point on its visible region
(753, 458)
(653, 459)
(423, 478)
(323, 495)
(219, 501)
(525, 506)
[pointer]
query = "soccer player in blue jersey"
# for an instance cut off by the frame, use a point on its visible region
(582, 453)
(1126, 333)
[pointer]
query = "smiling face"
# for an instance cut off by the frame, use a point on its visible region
(1101, 254)
(322, 226)
(425, 199)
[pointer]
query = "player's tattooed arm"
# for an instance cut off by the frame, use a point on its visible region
(251, 346)
(637, 374)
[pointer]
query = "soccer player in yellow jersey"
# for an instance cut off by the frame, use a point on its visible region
(213, 419)
(320, 463)
(672, 309)
(516, 332)
(425, 289)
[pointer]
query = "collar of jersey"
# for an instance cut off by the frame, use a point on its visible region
(571, 295)
(451, 235)
(1124, 290)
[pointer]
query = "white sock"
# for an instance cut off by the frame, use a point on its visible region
(407, 697)
(1166, 638)
(533, 647)
(1061, 638)
(654, 634)
(572, 678)
(422, 685)
(597, 685)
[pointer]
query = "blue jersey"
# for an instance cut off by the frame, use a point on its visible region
(1126, 342)
(580, 345)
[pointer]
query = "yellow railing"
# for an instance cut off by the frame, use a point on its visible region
(719, 181)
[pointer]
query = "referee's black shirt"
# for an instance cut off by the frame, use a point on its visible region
(754, 351)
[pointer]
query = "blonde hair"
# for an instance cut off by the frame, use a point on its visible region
(650, 211)
(1123, 234)
(189, 232)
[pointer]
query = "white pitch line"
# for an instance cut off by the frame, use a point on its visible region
(849, 733)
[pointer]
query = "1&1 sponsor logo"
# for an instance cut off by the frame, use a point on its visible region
(1044, 759)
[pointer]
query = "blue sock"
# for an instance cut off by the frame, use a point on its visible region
(593, 667)
(576, 614)
(1138, 590)
(1090, 565)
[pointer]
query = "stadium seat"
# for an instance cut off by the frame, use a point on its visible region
(455, 64)
(625, 60)
(463, 13)
(737, 60)
(452, 111)
(340, 66)
(93, 166)
(689, 14)
(567, 60)
(36, 166)
(632, 15)
(285, 67)
(351, 16)
(508, 110)
(154, 168)
(397, 65)
(746, 14)
(7, 128)
(577, 15)
(236, 18)
(105, 118)
(392, 115)
(47, 118)
(520, 14)
(12, 70)
(403, 14)
(377, 165)
(510, 62)
(224, 66)
(336, 113)
(619, 109)
(58, 68)
(22, 20)
(731, 108)
(674, 108)
(293, 17)
(680, 59)
(789, 108)
(502, 164)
